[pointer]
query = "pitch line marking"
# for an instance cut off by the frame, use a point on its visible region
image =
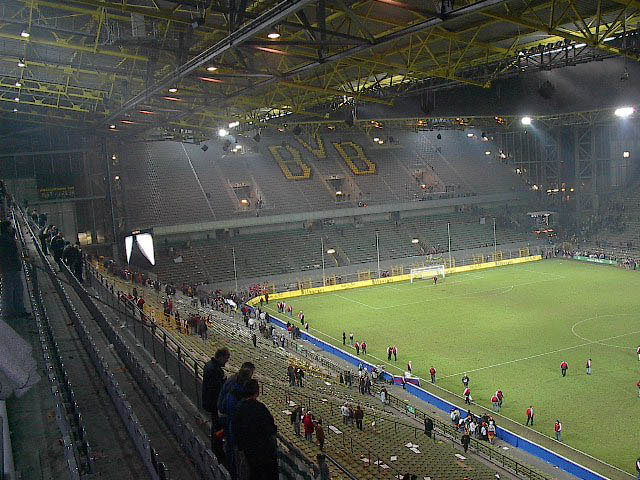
(467, 294)
(600, 342)
(354, 301)
(591, 342)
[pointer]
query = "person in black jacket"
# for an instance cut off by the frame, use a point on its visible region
(255, 432)
(57, 247)
(213, 378)
(10, 268)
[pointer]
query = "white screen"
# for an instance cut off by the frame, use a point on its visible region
(145, 242)
(128, 245)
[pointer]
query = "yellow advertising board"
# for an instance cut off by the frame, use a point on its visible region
(392, 279)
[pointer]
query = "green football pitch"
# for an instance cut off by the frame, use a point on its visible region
(510, 328)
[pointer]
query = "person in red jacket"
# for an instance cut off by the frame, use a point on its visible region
(432, 372)
(467, 396)
(363, 346)
(357, 345)
(496, 403)
(564, 366)
(308, 426)
(500, 396)
(558, 429)
(530, 414)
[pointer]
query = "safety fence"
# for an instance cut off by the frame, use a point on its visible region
(182, 366)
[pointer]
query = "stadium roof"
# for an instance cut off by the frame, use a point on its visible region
(128, 66)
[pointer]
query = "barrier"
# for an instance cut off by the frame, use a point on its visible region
(393, 279)
(604, 261)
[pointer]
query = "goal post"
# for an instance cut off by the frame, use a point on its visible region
(427, 272)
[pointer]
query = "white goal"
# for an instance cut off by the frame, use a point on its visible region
(427, 272)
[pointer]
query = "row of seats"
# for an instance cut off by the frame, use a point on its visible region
(168, 183)
(299, 251)
(384, 439)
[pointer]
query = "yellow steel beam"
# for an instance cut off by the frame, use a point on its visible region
(75, 46)
(332, 92)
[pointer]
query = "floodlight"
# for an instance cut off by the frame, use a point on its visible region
(173, 90)
(415, 240)
(234, 124)
(18, 84)
(117, 177)
(25, 34)
(331, 251)
(338, 193)
(17, 99)
(273, 35)
(114, 157)
(487, 152)
(626, 154)
(223, 132)
(212, 69)
(112, 127)
(376, 139)
(21, 63)
(470, 135)
(15, 110)
(624, 112)
(526, 120)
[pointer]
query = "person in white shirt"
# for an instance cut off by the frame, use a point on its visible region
(345, 413)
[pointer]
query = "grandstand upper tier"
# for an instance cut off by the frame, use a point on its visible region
(170, 183)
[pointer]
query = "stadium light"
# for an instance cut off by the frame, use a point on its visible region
(526, 120)
(273, 35)
(338, 193)
(223, 132)
(117, 177)
(626, 154)
(470, 135)
(15, 110)
(112, 127)
(380, 142)
(624, 112)
(173, 90)
(21, 63)
(25, 34)
(17, 99)
(415, 240)
(18, 84)
(212, 69)
(234, 124)
(487, 152)
(331, 251)
(114, 157)
(376, 139)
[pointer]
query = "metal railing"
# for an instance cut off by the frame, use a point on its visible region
(168, 352)
(196, 366)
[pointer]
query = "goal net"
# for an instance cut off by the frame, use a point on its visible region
(427, 272)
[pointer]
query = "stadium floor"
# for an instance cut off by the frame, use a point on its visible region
(510, 328)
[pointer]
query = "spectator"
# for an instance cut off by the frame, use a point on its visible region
(296, 419)
(203, 329)
(308, 426)
(213, 378)
(10, 268)
(255, 432)
(359, 416)
(229, 399)
(319, 434)
(345, 413)
(321, 472)
(428, 426)
(558, 429)
(465, 440)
